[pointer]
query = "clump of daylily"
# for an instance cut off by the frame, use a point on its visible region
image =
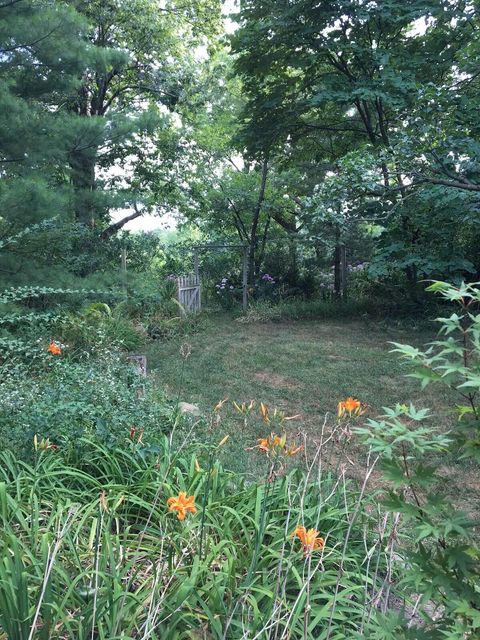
(275, 417)
(244, 408)
(182, 504)
(212, 449)
(351, 407)
(309, 539)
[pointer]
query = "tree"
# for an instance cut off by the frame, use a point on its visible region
(85, 90)
(222, 188)
(127, 94)
(356, 76)
(42, 54)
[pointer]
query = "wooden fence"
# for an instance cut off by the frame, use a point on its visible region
(189, 294)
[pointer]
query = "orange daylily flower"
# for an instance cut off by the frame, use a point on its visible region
(277, 444)
(263, 444)
(54, 348)
(271, 443)
(309, 539)
(351, 406)
(182, 503)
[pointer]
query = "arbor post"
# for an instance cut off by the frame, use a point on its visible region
(196, 267)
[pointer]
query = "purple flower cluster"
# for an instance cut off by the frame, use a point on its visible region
(268, 278)
(171, 277)
(224, 284)
(355, 268)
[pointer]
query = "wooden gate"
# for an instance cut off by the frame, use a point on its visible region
(189, 293)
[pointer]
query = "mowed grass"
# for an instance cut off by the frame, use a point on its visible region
(301, 367)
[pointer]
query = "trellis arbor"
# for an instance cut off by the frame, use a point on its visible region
(190, 287)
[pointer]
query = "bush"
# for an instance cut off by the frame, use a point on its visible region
(162, 328)
(228, 292)
(98, 330)
(444, 557)
(67, 400)
(148, 297)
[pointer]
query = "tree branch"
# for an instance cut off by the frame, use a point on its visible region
(454, 184)
(116, 226)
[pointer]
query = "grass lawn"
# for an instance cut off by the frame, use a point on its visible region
(301, 367)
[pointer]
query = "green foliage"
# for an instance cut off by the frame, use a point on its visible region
(294, 309)
(94, 329)
(28, 314)
(444, 559)
(161, 327)
(367, 99)
(452, 360)
(66, 399)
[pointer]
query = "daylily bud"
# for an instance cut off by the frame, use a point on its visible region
(223, 441)
(220, 404)
(103, 500)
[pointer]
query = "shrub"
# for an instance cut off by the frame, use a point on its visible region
(94, 330)
(162, 328)
(66, 400)
(444, 557)
(28, 314)
(228, 292)
(148, 297)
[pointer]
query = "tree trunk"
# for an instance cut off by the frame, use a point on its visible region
(336, 272)
(82, 164)
(293, 270)
(263, 244)
(339, 266)
(252, 273)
